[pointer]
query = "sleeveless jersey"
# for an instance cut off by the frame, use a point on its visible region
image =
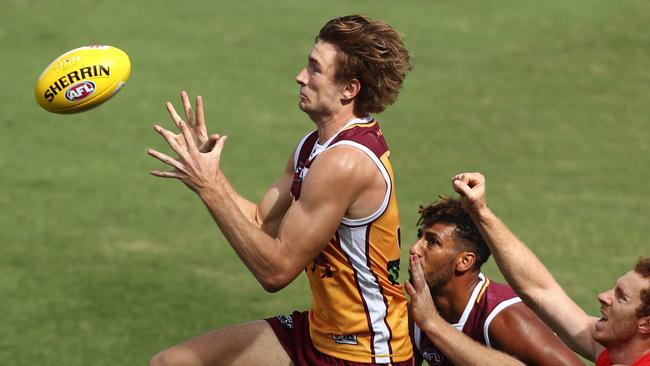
(603, 359)
(487, 301)
(358, 311)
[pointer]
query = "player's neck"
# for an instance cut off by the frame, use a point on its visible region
(453, 298)
(330, 125)
(630, 351)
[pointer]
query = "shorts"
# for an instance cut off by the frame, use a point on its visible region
(293, 333)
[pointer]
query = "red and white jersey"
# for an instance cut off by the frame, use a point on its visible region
(488, 299)
(359, 310)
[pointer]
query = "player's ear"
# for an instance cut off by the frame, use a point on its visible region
(350, 90)
(465, 261)
(644, 325)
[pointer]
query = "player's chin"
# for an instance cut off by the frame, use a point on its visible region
(600, 330)
(302, 104)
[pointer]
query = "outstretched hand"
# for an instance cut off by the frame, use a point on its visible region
(423, 309)
(195, 121)
(197, 163)
(471, 188)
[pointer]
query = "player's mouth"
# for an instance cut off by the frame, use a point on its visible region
(603, 317)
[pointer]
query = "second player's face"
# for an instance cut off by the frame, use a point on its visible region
(619, 306)
(319, 93)
(437, 251)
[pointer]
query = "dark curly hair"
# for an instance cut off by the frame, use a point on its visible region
(466, 234)
(643, 268)
(372, 52)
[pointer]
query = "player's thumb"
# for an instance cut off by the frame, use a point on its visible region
(461, 187)
(216, 142)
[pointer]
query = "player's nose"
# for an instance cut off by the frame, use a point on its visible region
(415, 249)
(605, 298)
(301, 78)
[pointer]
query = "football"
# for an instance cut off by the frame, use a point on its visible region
(82, 79)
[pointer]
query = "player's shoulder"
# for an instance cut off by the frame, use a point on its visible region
(515, 320)
(496, 292)
(342, 160)
(366, 136)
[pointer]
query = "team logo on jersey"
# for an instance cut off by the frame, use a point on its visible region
(393, 272)
(325, 267)
(345, 339)
(433, 357)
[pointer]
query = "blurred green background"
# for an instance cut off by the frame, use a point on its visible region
(102, 264)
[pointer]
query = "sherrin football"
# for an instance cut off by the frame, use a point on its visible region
(82, 78)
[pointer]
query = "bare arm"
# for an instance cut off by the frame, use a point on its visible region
(526, 273)
(519, 332)
(268, 214)
(333, 182)
(459, 348)
(276, 201)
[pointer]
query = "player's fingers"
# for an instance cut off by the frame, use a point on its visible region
(189, 139)
(167, 160)
(200, 115)
(212, 140)
(473, 179)
(218, 146)
(416, 272)
(409, 289)
(187, 106)
(170, 138)
(162, 174)
(461, 187)
(458, 176)
(172, 113)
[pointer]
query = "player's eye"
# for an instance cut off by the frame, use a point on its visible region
(619, 296)
(432, 240)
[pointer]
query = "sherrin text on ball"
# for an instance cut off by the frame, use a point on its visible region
(82, 78)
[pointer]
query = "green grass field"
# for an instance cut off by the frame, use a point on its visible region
(102, 264)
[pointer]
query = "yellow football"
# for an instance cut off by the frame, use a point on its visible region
(82, 78)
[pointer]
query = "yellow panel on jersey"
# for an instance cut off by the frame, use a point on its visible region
(359, 310)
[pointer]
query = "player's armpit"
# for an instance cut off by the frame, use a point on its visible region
(517, 331)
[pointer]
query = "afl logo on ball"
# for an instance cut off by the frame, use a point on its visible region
(80, 91)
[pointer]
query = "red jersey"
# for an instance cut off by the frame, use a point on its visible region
(603, 359)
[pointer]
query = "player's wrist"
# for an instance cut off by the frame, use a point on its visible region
(432, 326)
(213, 191)
(480, 211)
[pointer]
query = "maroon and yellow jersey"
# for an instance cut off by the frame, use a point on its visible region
(359, 311)
(488, 299)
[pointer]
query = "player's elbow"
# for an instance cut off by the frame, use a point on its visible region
(276, 273)
(274, 283)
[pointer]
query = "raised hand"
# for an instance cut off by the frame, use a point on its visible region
(197, 169)
(471, 187)
(195, 121)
